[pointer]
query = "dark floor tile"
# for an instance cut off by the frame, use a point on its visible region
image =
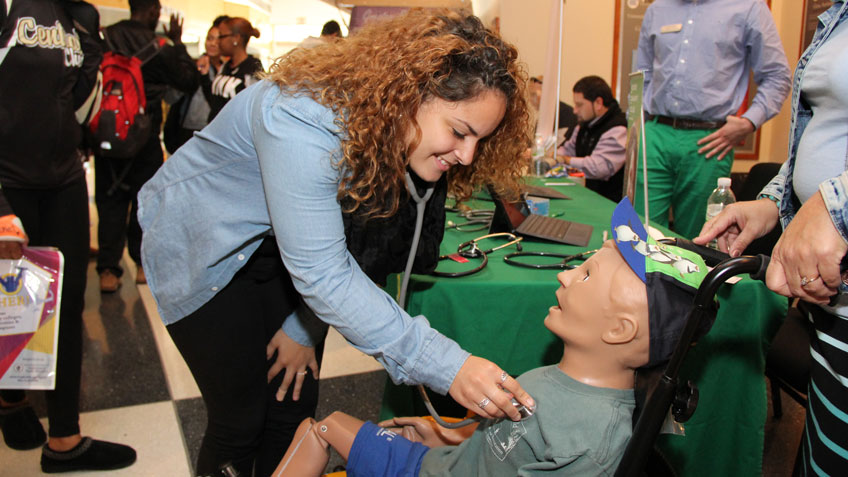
(359, 395)
(121, 364)
(192, 418)
(782, 436)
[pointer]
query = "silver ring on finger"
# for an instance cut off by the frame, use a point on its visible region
(301, 373)
(806, 281)
(503, 377)
(485, 402)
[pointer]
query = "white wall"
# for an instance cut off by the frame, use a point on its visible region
(587, 39)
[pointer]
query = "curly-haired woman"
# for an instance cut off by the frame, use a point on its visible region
(277, 219)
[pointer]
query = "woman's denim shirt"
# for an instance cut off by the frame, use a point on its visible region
(834, 191)
(266, 165)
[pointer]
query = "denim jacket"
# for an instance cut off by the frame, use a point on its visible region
(834, 191)
(266, 165)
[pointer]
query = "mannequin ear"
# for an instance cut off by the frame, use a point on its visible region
(622, 329)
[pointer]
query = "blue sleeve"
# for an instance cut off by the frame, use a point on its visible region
(834, 191)
(304, 327)
(297, 151)
(768, 62)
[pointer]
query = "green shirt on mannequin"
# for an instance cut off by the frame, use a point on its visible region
(577, 430)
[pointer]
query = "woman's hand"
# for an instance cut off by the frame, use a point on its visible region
(738, 225)
(810, 248)
(11, 250)
(486, 389)
(12, 237)
(295, 358)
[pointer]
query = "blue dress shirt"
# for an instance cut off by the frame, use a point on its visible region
(696, 55)
(267, 164)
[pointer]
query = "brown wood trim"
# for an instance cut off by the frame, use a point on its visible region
(616, 39)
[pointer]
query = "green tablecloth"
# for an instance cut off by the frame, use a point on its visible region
(498, 314)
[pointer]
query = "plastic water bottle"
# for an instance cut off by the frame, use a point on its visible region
(540, 167)
(721, 197)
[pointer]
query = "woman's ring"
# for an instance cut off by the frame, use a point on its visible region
(503, 377)
(485, 402)
(302, 373)
(806, 281)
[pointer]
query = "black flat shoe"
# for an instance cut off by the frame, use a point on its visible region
(89, 454)
(21, 428)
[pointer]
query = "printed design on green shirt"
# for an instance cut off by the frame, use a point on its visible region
(504, 436)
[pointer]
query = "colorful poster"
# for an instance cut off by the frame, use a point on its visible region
(30, 298)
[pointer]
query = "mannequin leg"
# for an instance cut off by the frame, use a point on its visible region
(308, 454)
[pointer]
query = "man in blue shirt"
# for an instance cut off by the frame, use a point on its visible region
(696, 55)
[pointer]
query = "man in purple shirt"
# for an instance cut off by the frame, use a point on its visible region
(597, 146)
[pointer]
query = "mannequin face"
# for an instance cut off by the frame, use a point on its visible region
(594, 299)
(450, 132)
(212, 43)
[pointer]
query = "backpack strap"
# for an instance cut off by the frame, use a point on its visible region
(145, 53)
(150, 50)
(109, 43)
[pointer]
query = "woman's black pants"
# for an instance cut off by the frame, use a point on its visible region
(58, 217)
(223, 344)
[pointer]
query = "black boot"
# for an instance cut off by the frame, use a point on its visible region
(21, 427)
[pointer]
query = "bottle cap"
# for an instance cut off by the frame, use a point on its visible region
(724, 182)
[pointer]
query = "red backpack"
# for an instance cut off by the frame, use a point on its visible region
(120, 127)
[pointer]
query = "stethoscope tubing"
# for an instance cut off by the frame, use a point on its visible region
(475, 252)
(561, 265)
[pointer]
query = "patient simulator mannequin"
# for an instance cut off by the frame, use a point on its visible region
(584, 404)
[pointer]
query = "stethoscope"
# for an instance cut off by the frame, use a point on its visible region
(420, 204)
(474, 220)
(563, 264)
(471, 249)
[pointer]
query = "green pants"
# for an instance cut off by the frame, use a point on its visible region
(678, 177)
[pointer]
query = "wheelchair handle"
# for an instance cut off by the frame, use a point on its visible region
(713, 258)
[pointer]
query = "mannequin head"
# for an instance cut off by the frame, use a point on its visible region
(626, 306)
(602, 318)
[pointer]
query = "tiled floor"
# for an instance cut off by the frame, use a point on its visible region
(137, 390)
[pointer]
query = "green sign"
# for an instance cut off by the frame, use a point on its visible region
(634, 132)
